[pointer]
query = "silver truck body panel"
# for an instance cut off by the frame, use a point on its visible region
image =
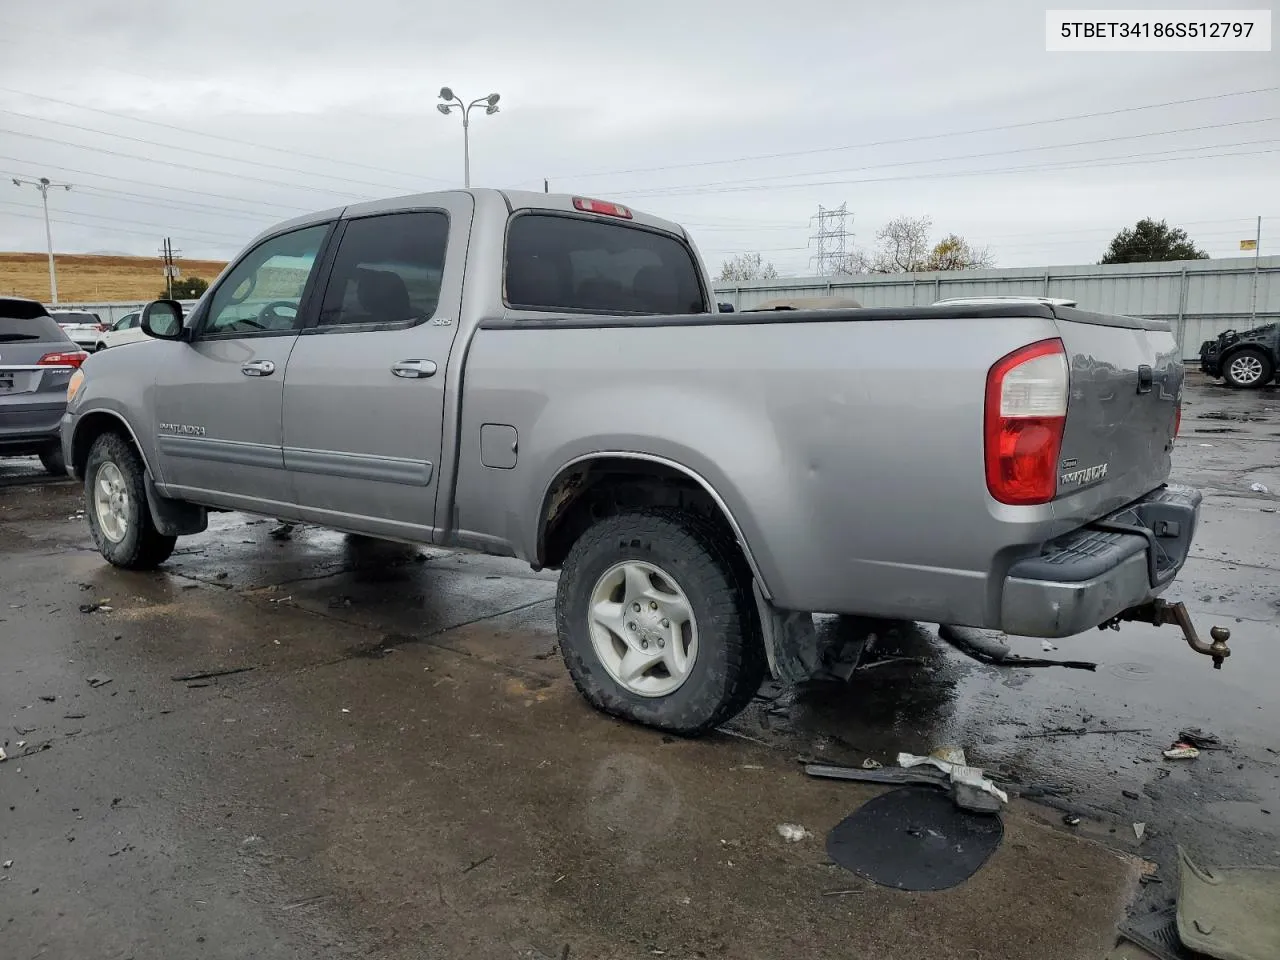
(846, 447)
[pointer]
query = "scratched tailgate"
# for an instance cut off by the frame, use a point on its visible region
(1126, 389)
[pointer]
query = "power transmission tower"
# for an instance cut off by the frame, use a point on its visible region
(170, 258)
(832, 240)
(43, 185)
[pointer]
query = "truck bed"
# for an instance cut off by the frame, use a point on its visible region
(847, 445)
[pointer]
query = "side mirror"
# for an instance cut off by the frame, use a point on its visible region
(725, 307)
(162, 319)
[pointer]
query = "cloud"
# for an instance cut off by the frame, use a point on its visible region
(592, 91)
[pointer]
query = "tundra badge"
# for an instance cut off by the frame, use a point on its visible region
(1084, 476)
(182, 428)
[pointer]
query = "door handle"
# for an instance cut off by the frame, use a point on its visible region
(1146, 377)
(414, 369)
(258, 368)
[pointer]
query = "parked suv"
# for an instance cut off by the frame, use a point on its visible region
(36, 360)
(81, 326)
(1248, 359)
(128, 329)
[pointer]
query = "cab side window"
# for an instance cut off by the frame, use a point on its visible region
(388, 270)
(263, 292)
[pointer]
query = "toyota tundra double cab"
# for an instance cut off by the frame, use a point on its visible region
(548, 377)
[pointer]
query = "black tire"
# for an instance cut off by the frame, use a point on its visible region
(51, 460)
(1229, 373)
(142, 547)
(100, 347)
(730, 663)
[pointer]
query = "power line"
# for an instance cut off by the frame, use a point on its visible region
(141, 223)
(181, 166)
(212, 136)
(149, 201)
(942, 175)
(95, 226)
(161, 186)
(893, 164)
(202, 153)
(920, 137)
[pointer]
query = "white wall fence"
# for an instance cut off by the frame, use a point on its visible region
(1200, 298)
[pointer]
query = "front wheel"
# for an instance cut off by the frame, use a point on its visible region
(1248, 368)
(657, 622)
(119, 517)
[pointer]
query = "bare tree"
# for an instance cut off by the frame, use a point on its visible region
(851, 264)
(954, 252)
(903, 245)
(747, 266)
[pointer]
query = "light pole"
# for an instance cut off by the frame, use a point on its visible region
(43, 185)
(450, 102)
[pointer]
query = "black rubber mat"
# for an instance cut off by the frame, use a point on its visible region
(914, 839)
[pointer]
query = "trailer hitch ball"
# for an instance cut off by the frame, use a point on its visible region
(1219, 646)
(1159, 612)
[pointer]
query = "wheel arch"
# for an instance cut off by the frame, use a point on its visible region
(94, 424)
(574, 495)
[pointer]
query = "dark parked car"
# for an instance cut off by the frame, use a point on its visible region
(36, 360)
(1248, 359)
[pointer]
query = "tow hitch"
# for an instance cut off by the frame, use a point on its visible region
(1161, 612)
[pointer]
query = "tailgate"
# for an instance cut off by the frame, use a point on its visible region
(1126, 388)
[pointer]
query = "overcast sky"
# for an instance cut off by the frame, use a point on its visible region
(737, 119)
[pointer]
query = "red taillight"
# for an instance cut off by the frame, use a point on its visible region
(600, 206)
(103, 328)
(73, 359)
(1026, 411)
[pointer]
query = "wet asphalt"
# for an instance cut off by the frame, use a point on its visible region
(400, 768)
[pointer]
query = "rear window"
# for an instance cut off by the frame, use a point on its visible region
(34, 328)
(588, 266)
(66, 316)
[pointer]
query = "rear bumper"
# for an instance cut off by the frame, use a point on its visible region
(29, 426)
(1089, 576)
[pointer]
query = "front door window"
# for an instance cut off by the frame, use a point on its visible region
(263, 292)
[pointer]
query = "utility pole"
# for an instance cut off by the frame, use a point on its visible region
(546, 185)
(167, 254)
(43, 185)
(832, 257)
(1257, 248)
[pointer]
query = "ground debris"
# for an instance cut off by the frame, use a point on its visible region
(99, 680)
(1079, 732)
(1199, 739)
(793, 832)
(208, 674)
(477, 863)
(1181, 751)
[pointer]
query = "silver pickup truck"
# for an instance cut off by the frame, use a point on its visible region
(547, 377)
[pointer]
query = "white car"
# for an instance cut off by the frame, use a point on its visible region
(128, 329)
(85, 328)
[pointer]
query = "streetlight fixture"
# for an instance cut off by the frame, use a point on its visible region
(43, 185)
(452, 101)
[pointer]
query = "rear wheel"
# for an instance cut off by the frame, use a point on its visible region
(116, 498)
(51, 460)
(1248, 368)
(101, 346)
(657, 621)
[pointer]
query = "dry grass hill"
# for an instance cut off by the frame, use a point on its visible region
(85, 278)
